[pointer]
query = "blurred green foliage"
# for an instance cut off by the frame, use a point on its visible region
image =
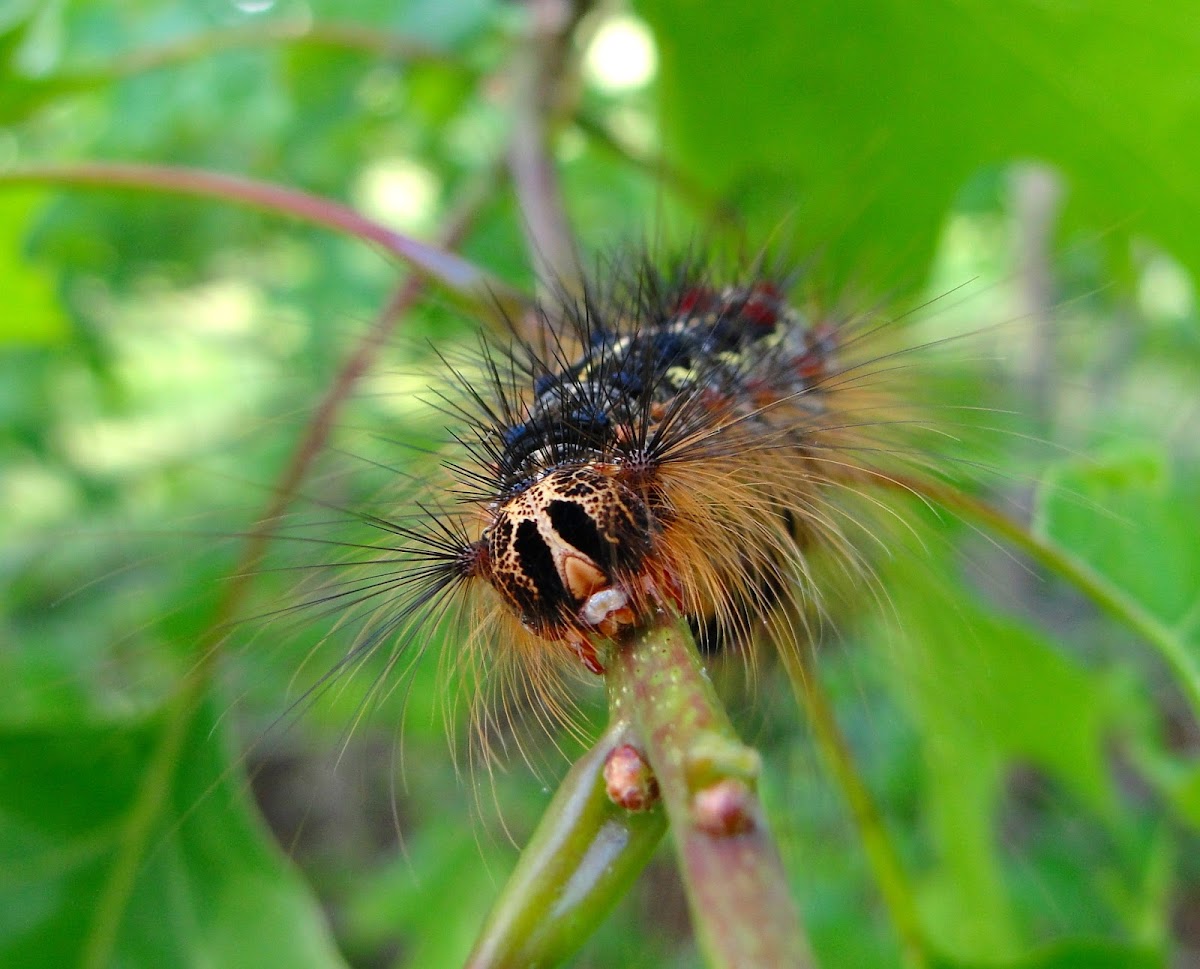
(1036, 765)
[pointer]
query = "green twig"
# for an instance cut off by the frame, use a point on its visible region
(1114, 601)
(580, 862)
(742, 912)
(713, 208)
(881, 853)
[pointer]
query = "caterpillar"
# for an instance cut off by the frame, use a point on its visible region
(681, 439)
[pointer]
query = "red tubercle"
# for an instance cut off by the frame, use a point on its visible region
(759, 314)
(810, 366)
(819, 345)
(760, 305)
(713, 401)
(694, 300)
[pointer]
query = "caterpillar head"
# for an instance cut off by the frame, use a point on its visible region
(566, 552)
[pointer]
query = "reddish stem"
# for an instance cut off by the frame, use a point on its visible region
(737, 890)
(455, 272)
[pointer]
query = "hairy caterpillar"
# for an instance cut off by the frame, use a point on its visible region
(684, 437)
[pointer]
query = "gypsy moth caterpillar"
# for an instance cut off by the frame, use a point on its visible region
(679, 434)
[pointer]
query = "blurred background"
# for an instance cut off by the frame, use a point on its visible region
(1016, 184)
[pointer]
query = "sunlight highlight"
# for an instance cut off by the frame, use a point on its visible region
(622, 56)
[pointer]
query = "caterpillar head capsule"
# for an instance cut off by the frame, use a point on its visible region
(565, 553)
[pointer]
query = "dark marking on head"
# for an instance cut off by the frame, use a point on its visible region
(577, 528)
(536, 564)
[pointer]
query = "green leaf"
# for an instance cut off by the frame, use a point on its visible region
(858, 123)
(210, 888)
(977, 685)
(1124, 513)
(439, 863)
(1129, 516)
(1003, 671)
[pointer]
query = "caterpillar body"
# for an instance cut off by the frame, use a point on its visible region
(682, 441)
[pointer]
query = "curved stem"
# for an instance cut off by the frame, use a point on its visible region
(578, 864)
(453, 271)
(1105, 594)
(35, 92)
(878, 846)
(714, 209)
